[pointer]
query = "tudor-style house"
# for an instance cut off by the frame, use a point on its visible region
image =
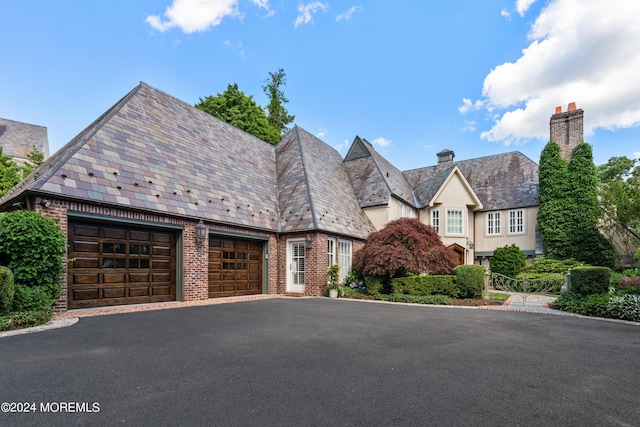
(160, 201)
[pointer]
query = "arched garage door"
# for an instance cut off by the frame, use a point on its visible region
(235, 267)
(116, 264)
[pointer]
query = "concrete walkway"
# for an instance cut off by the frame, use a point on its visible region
(529, 303)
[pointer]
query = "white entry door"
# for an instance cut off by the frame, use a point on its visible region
(295, 262)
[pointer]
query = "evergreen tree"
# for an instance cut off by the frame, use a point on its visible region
(241, 111)
(277, 115)
(554, 211)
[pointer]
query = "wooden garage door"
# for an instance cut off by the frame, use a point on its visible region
(114, 265)
(235, 267)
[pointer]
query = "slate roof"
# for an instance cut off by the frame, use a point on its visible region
(501, 181)
(156, 153)
(314, 188)
(17, 138)
(374, 179)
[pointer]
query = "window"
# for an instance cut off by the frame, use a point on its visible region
(454, 221)
(400, 209)
(331, 252)
(344, 258)
(494, 225)
(435, 220)
(516, 221)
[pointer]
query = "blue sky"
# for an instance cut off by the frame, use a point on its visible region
(413, 77)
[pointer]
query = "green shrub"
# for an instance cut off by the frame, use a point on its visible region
(35, 298)
(469, 280)
(548, 265)
(625, 307)
(32, 246)
(508, 260)
(425, 285)
(374, 284)
(416, 299)
(7, 289)
(25, 319)
(588, 305)
(590, 280)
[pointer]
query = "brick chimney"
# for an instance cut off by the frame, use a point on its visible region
(566, 129)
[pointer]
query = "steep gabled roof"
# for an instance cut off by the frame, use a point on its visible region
(156, 153)
(314, 188)
(374, 179)
(17, 139)
(501, 181)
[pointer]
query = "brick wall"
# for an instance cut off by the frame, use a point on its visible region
(196, 256)
(566, 129)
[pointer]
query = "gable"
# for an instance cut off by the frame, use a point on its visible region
(455, 191)
(358, 150)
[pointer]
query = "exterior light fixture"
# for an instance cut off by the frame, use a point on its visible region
(307, 242)
(201, 232)
(45, 203)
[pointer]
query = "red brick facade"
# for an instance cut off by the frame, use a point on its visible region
(195, 255)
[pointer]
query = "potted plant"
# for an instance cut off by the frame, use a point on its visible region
(333, 273)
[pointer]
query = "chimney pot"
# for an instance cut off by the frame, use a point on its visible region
(558, 110)
(572, 107)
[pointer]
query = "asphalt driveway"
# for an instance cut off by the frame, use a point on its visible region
(324, 362)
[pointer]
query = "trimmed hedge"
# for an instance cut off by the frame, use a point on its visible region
(469, 280)
(7, 289)
(425, 285)
(416, 299)
(590, 280)
(508, 260)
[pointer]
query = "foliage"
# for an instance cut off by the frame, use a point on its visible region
(588, 305)
(425, 285)
(508, 260)
(355, 293)
(404, 246)
(31, 307)
(32, 246)
(587, 242)
(419, 299)
(549, 265)
(590, 280)
(374, 284)
(7, 289)
(626, 307)
(241, 111)
(277, 115)
(569, 213)
(9, 173)
(554, 208)
(333, 273)
(619, 193)
(469, 280)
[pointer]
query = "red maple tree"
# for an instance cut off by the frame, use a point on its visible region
(404, 246)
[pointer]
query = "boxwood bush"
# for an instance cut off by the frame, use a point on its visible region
(590, 280)
(416, 299)
(425, 285)
(508, 260)
(469, 280)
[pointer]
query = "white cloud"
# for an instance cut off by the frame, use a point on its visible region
(523, 5)
(468, 105)
(306, 12)
(194, 15)
(505, 14)
(636, 154)
(347, 15)
(382, 142)
(264, 4)
(581, 50)
(321, 133)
